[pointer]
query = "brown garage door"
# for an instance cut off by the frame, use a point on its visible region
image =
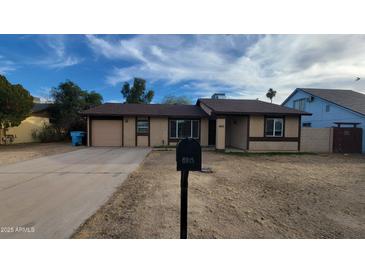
(106, 133)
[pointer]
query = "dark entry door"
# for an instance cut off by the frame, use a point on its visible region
(212, 129)
(347, 140)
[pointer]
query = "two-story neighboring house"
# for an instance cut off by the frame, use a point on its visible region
(329, 107)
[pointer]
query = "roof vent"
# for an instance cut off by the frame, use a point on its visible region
(219, 96)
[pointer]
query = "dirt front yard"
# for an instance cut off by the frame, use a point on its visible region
(20, 152)
(292, 196)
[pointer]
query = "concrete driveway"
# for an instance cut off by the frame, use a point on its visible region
(50, 197)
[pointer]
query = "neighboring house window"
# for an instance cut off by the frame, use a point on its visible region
(274, 127)
(184, 129)
(143, 125)
(328, 108)
(307, 124)
(299, 104)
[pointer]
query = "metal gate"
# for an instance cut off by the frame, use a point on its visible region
(347, 140)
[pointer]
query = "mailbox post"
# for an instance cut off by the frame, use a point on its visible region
(188, 157)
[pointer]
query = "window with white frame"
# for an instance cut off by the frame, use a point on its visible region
(142, 125)
(184, 129)
(299, 104)
(274, 127)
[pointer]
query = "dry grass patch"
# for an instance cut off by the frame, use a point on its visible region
(261, 196)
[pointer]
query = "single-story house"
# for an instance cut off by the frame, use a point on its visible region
(250, 125)
(330, 108)
(23, 133)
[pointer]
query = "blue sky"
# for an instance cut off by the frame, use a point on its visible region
(243, 66)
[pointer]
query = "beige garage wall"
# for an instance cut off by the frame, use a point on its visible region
(257, 124)
(142, 141)
(158, 131)
(23, 132)
(204, 131)
(129, 131)
(291, 126)
(273, 146)
(316, 140)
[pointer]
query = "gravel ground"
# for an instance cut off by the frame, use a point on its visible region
(291, 196)
(20, 152)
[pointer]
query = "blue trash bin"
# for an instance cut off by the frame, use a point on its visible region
(76, 137)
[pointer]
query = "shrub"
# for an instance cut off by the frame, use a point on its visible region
(48, 133)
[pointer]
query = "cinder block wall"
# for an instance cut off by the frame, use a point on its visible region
(316, 140)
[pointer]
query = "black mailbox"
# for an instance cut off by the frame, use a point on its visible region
(189, 155)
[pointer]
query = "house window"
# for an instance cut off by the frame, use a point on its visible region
(184, 129)
(307, 124)
(328, 108)
(299, 104)
(274, 127)
(143, 125)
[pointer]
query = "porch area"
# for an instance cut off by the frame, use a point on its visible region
(232, 133)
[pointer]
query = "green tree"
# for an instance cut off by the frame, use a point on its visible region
(271, 94)
(15, 104)
(137, 93)
(69, 101)
(176, 100)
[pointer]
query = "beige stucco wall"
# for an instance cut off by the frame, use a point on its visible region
(291, 126)
(316, 140)
(204, 131)
(142, 141)
(158, 131)
(237, 132)
(220, 133)
(129, 131)
(257, 124)
(23, 132)
(273, 146)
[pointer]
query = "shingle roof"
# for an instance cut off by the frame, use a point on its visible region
(234, 106)
(350, 99)
(119, 109)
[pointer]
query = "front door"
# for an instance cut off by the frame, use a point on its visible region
(212, 129)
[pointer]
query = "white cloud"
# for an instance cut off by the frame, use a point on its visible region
(6, 65)
(57, 56)
(245, 66)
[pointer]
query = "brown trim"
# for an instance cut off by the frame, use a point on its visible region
(148, 134)
(90, 131)
(168, 131)
(220, 113)
(122, 131)
(135, 131)
(273, 139)
(149, 131)
(106, 117)
(248, 132)
(299, 131)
